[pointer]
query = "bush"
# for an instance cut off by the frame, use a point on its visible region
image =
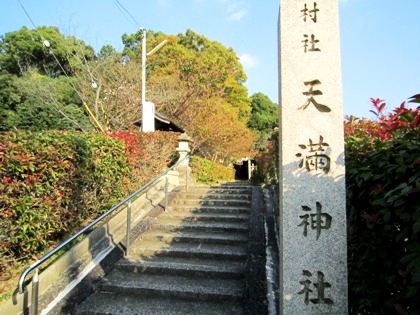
(148, 154)
(53, 182)
(383, 204)
(267, 161)
(207, 172)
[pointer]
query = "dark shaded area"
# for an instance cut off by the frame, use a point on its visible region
(272, 213)
(256, 284)
(242, 170)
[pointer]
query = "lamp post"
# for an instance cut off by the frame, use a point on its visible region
(145, 106)
(143, 68)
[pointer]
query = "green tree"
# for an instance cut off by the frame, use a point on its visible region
(264, 114)
(9, 99)
(264, 118)
(108, 52)
(38, 91)
(199, 83)
(44, 49)
(36, 102)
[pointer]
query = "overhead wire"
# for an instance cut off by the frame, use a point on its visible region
(121, 7)
(27, 14)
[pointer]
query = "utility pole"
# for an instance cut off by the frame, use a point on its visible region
(143, 77)
(145, 106)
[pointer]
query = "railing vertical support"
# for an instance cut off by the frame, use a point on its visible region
(166, 191)
(127, 246)
(187, 162)
(34, 298)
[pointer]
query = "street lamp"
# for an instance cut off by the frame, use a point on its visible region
(147, 108)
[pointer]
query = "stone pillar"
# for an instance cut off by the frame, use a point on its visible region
(313, 246)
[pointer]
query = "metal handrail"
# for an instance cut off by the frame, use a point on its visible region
(35, 265)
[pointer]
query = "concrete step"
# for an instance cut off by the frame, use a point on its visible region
(184, 267)
(205, 217)
(208, 209)
(148, 250)
(219, 190)
(173, 225)
(212, 202)
(212, 196)
(195, 237)
(173, 286)
(105, 303)
(192, 260)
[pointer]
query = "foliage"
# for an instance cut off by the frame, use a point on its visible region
(38, 90)
(195, 82)
(383, 204)
(52, 182)
(47, 104)
(148, 154)
(267, 162)
(37, 102)
(368, 132)
(9, 98)
(207, 172)
(198, 83)
(219, 136)
(41, 48)
(111, 88)
(264, 118)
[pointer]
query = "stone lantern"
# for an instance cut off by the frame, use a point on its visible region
(183, 145)
(183, 149)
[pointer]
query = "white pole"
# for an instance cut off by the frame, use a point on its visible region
(143, 77)
(147, 108)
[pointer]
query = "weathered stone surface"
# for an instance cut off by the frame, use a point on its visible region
(313, 254)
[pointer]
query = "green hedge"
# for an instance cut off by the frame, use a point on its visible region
(384, 223)
(52, 182)
(383, 204)
(207, 172)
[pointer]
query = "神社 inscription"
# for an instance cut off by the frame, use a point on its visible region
(313, 240)
(316, 221)
(317, 159)
(318, 289)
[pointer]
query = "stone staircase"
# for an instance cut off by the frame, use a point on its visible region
(192, 261)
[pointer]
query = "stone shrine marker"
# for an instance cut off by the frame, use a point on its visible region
(313, 245)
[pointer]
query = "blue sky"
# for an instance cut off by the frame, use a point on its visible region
(379, 38)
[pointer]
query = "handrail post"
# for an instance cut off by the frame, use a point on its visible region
(34, 298)
(166, 191)
(187, 160)
(127, 246)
